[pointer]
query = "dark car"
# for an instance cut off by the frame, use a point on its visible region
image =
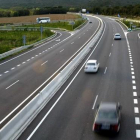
(90, 21)
(107, 117)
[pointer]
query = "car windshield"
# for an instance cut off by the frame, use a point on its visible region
(107, 114)
(90, 64)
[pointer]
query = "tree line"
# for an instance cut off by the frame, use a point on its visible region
(35, 11)
(130, 10)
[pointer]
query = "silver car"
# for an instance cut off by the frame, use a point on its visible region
(107, 117)
(117, 36)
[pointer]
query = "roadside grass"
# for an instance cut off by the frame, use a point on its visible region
(127, 23)
(12, 39)
(59, 24)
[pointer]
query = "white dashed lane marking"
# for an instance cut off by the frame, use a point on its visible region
(133, 82)
(12, 84)
(135, 101)
(61, 50)
(138, 133)
(136, 110)
(134, 93)
(13, 68)
(137, 120)
(105, 70)
(44, 63)
(132, 72)
(134, 87)
(6, 71)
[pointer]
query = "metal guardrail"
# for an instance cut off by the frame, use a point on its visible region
(13, 129)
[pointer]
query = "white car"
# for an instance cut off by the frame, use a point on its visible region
(91, 66)
(117, 36)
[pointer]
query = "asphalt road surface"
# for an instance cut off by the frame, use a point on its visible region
(71, 116)
(21, 75)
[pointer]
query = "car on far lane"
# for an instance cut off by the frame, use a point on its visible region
(92, 66)
(90, 21)
(107, 118)
(117, 36)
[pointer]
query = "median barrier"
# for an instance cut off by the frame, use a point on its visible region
(13, 129)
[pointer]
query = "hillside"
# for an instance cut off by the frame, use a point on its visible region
(67, 3)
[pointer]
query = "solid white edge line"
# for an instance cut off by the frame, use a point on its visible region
(12, 84)
(48, 78)
(64, 90)
(95, 101)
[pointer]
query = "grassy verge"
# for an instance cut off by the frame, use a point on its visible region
(63, 25)
(12, 39)
(127, 23)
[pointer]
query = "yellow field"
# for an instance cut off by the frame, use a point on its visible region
(32, 19)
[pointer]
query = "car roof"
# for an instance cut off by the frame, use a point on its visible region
(107, 106)
(117, 34)
(91, 61)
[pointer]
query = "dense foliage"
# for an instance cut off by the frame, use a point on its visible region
(65, 3)
(123, 11)
(15, 12)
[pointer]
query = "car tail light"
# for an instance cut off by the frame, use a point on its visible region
(115, 127)
(96, 126)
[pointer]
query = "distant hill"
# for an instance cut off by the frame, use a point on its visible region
(66, 3)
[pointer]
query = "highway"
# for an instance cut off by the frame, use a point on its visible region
(24, 74)
(70, 114)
